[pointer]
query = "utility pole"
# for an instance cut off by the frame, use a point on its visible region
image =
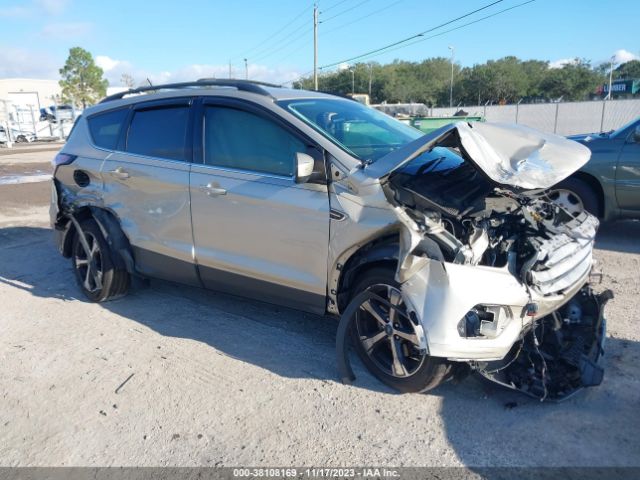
(370, 78)
(353, 80)
(315, 47)
(246, 69)
(230, 74)
(451, 86)
(613, 57)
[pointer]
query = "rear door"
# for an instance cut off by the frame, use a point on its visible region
(257, 232)
(146, 184)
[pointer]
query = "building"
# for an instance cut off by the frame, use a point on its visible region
(24, 92)
(621, 88)
(20, 102)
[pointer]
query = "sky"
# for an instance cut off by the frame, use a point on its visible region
(189, 39)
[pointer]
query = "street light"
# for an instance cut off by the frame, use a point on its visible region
(451, 86)
(613, 57)
(246, 69)
(353, 80)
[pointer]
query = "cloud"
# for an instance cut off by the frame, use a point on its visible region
(48, 7)
(67, 30)
(18, 62)
(562, 62)
(15, 11)
(107, 63)
(619, 56)
(52, 7)
(24, 63)
(114, 69)
(624, 56)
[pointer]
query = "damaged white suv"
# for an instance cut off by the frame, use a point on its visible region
(441, 252)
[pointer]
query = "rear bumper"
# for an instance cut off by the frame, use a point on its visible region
(59, 224)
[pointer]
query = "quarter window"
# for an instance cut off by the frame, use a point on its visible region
(105, 127)
(159, 132)
(241, 140)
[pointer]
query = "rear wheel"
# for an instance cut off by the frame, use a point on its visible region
(387, 339)
(574, 196)
(94, 268)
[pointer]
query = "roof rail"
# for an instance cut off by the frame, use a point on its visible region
(243, 85)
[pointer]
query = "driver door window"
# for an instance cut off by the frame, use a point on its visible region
(240, 140)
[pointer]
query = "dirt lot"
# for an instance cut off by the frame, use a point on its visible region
(214, 380)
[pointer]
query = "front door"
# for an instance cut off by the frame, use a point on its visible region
(628, 175)
(257, 232)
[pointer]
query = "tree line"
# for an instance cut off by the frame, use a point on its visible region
(507, 80)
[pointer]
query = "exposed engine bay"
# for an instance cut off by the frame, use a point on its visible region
(481, 224)
(456, 214)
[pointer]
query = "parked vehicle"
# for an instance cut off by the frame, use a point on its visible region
(18, 136)
(609, 184)
(308, 200)
(60, 112)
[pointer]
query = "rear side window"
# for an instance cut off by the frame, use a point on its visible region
(159, 132)
(105, 128)
(244, 141)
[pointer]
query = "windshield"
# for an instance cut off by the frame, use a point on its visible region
(617, 132)
(364, 132)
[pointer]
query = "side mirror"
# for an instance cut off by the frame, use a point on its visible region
(304, 167)
(636, 135)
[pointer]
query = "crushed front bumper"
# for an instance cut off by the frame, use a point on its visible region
(560, 355)
(442, 294)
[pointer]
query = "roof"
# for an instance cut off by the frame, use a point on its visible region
(246, 89)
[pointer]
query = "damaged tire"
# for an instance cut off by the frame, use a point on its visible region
(385, 337)
(94, 267)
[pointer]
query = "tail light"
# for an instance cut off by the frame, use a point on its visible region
(62, 159)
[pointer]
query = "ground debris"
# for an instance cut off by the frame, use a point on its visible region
(123, 383)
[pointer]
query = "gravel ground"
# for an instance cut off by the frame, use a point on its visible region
(180, 376)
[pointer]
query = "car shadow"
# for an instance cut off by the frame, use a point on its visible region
(619, 236)
(298, 345)
(287, 342)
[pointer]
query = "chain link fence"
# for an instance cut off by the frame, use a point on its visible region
(27, 123)
(566, 118)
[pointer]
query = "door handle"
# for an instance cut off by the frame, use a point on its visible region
(119, 173)
(212, 190)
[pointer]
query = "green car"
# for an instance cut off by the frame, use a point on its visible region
(609, 184)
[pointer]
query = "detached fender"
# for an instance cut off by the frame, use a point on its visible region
(115, 237)
(110, 228)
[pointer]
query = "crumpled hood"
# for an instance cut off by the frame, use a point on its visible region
(510, 155)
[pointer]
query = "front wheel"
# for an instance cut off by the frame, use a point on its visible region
(94, 268)
(387, 339)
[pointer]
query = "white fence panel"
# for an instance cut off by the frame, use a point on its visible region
(579, 117)
(540, 116)
(562, 118)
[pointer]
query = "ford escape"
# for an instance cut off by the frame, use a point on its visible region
(309, 200)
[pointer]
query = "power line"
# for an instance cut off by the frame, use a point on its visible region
(359, 19)
(302, 45)
(399, 42)
(280, 44)
(344, 11)
(453, 29)
(287, 44)
(337, 4)
(261, 46)
(437, 34)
